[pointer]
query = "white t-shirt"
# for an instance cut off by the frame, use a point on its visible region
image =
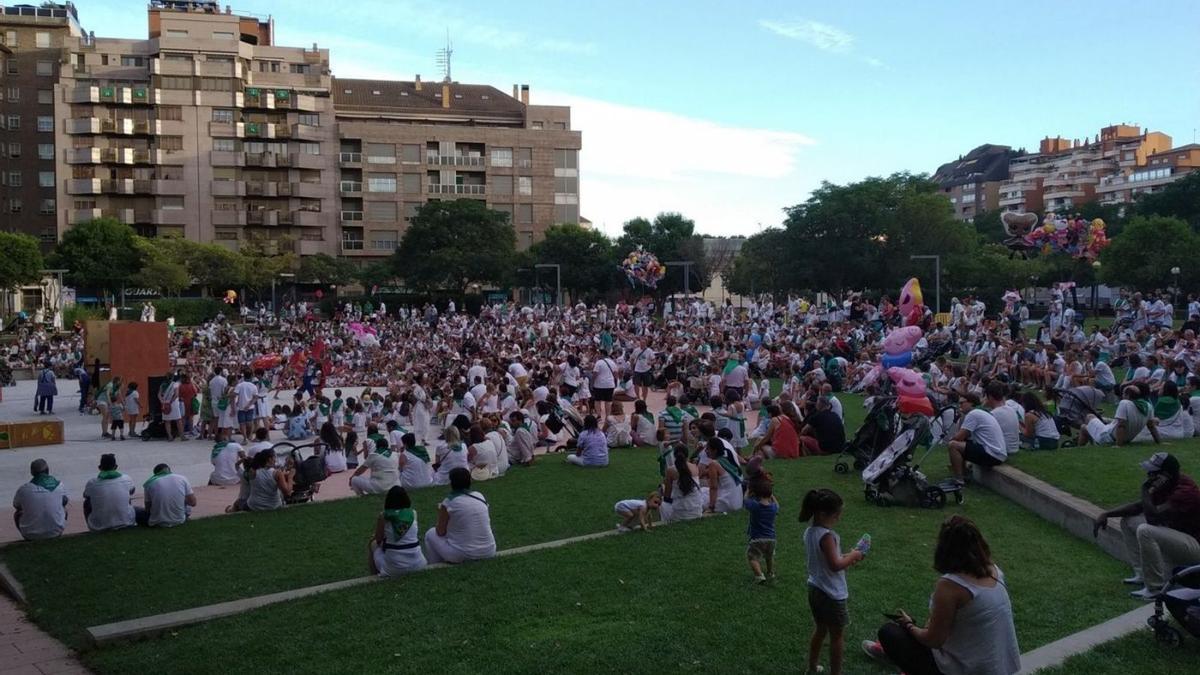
(470, 527)
(643, 360)
(1135, 421)
(629, 505)
(1010, 426)
(737, 377)
(604, 374)
(43, 512)
(517, 370)
(246, 392)
(225, 466)
(986, 431)
(165, 500)
(109, 501)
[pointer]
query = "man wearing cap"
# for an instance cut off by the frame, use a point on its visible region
(106, 498)
(1162, 529)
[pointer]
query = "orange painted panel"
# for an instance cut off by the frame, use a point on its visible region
(138, 351)
(26, 434)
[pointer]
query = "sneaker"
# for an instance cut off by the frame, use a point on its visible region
(622, 528)
(1135, 580)
(874, 650)
(818, 669)
(760, 580)
(1144, 594)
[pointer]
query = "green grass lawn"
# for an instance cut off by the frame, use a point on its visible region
(1133, 655)
(667, 600)
(1105, 476)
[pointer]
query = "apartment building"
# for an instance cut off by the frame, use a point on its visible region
(1065, 173)
(32, 40)
(206, 129)
(1160, 170)
(405, 143)
(972, 182)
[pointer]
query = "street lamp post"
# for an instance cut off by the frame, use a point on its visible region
(557, 280)
(937, 274)
(687, 273)
(286, 275)
(1175, 291)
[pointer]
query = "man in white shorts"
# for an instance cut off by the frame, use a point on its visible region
(1132, 416)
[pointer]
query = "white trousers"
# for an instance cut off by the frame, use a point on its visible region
(1156, 551)
(439, 549)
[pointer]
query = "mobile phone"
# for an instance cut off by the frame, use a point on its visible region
(892, 617)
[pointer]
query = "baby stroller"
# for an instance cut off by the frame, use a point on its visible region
(890, 479)
(1073, 417)
(156, 428)
(310, 470)
(877, 431)
(1181, 597)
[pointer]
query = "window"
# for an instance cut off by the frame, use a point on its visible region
(566, 184)
(536, 125)
(566, 159)
(412, 183)
(383, 212)
(47, 207)
(224, 173)
(45, 123)
(12, 67)
(525, 158)
(524, 240)
(525, 185)
(566, 213)
(226, 205)
(14, 205)
(215, 84)
(380, 153)
(170, 143)
(41, 40)
(225, 144)
(502, 185)
(268, 66)
(222, 115)
(524, 214)
(225, 234)
(14, 150)
(381, 182)
(170, 112)
(46, 179)
(45, 151)
(410, 210)
(14, 121)
(222, 35)
(352, 240)
(84, 204)
(311, 119)
(506, 209)
(133, 61)
(176, 33)
(45, 97)
(307, 148)
(14, 179)
(10, 38)
(299, 68)
(383, 242)
(14, 94)
(174, 203)
(176, 82)
(410, 153)
(45, 68)
(502, 156)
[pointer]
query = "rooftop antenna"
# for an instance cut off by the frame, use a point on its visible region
(443, 58)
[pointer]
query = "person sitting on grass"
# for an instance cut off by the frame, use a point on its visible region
(168, 497)
(415, 470)
(781, 440)
(636, 512)
(1161, 530)
(226, 455)
(1038, 429)
(520, 447)
(1133, 415)
(681, 495)
(616, 429)
(40, 506)
(395, 548)
(269, 486)
(107, 498)
(464, 525)
(384, 466)
(979, 440)
(824, 432)
(643, 426)
(450, 455)
(970, 630)
(591, 447)
(1171, 419)
(724, 492)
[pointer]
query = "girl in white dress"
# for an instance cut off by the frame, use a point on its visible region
(395, 549)
(723, 493)
(420, 411)
(681, 490)
(452, 454)
(617, 429)
(416, 470)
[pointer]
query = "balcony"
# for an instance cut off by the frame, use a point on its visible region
(116, 155)
(268, 189)
(147, 127)
(138, 95)
(257, 97)
(454, 160)
(264, 217)
(83, 186)
(351, 216)
(309, 190)
(1064, 194)
(77, 216)
(226, 158)
(305, 132)
(157, 157)
(226, 129)
(83, 155)
(162, 186)
(443, 189)
(352, 245)
(168, 217)
(350, 187)
(228, 188)
(120, 186)
(349, 158)
(228, 217)
(160, 66)
(303, 160)
(260, 129)
(82, 125)
(306, 218)
(267, 159)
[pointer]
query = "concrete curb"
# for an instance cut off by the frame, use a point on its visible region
(1069, 512)
(11, 587)
(150, 625)
(1055, 653)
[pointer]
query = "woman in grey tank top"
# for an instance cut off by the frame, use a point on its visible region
(970, 629)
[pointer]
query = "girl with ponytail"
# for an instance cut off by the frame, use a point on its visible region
(682, 499)
(827, 565)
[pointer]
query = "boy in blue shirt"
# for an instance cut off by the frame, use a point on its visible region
(762, 506)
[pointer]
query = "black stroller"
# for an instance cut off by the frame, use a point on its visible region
(1181, 597)
(878, 430)
(310, 471)
(893, 478)
(1072, 415)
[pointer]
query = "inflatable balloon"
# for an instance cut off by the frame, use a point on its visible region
(267, 362)
(898, 346)
(1075, 237)
(910, 392)
(912, 306)
(230, 297)
(642, 267)
(1018, 226)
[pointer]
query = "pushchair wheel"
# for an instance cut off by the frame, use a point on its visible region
(1067, 444)
(935, 498)
(872, 495)
(1168, 636)
(959, 498)
(841, 467)
(859, 465)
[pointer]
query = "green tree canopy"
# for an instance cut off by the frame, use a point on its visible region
(21, 262)
(761, 265)
(163, 268)
(450, 244)
(671, 238)
(260, 261)
(587, 258)
(1180, 199)
(323, 268)
(100, 254)
(1143, 255)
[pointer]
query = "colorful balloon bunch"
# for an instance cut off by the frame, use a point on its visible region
(230, 297)
(1075, 237)
(642, 267)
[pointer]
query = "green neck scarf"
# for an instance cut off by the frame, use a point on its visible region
(337, 404)
(400, 519)
(1167, 407)
(663, 458)
(1143, 406)
(457, 447)
(45, 481)
(675, 414)
(386, 452)
(648, 417)
(217, 448)
(153, 478)
(691, 410)
(109, 475)
(734, 470)
(419, 452)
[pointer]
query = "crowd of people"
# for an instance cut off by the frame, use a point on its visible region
(486, 391)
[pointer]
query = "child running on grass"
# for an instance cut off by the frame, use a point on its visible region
(636, 512)
(827, 591)
(762, 507)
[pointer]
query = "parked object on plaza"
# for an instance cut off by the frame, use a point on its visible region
(1180, 597)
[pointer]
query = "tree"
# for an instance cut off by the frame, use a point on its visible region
(162, 269)
(1180, 199)
(261, 260)
(671, 238)
(375, 274)
(100, 254)
(1143, 255)
(761, 265)
(21, 262)
(323, 268)
(450, 244)
(586, 257)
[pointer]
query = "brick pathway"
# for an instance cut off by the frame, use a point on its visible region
(26, 650)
